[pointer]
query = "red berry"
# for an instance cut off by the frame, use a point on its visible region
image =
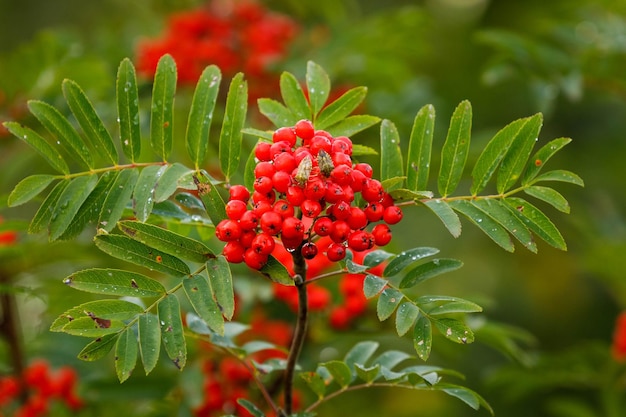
(286, 134)
(359, 180)
(340, 210)
(315, 189)
(339, 158)
(263, 185)
(268, 197)
(239, 192)
(283, 208)
(304, 129)
(311, 208)
(339, 231)
(261, 207)
(342, 144)
(263, 244)
(382, 234)
(392, 215)
(365, 169)
(322, 226)
(247, 236)
(335, 252)
(292, 228)
(262, 151)
(319, 143)
(295, 195)
(334, 192)
(357, 218)
(281, 181)
(228, 230)
(235, 209)
(341, 174)
(373, 191)
(291, 243)
(374, 212)
(254, 259)
(271, 223)
(249, 221)
(233, 252)
(285, 162)
(309, 250)
(279, 147)
(264, 169)
(360, 241)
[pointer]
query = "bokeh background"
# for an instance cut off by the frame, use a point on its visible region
(511, 59)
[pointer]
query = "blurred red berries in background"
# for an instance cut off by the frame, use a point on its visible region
(619, 338)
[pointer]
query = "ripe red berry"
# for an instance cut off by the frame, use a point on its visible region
(357, 218)
(315, 189)
(373, 191)
(271, 223)
(374, 212)
(319, 143)
(340, 210)
(247, 236)
(340, 158)
(339, 231)
(342, 144)
(295, 195)
(262, 207)
(341, 174)
(239, 192)
(359, 180)
(263, 185)
(360, 241)
(286, 134)
(285, 162)
(228, 230)
(281, 181)
(254, 259)
(262, 151)
(365, 169)
(283, 208)
(392, 215)
(264, 169)
(382, 234)
(263, 244)
(249, 221)
(292, 228)
(304, 129)
(235, 209)
(279, 147)
(322, 226)
(334, 193)
(311, 208)
(233, 252)
(309, 250)
(335, 252)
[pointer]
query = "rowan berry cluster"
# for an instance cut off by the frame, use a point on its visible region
(234, 35)
(7, 237)
(42, 386)
(306, 176)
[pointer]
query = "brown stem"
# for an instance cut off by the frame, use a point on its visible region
(300, 331)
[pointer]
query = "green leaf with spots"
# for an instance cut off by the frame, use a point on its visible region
(373, 285)
(172, 330)
(340, 372)
(538, 161)
(420, 148)
(210, 196)
(128, 109)
(406, 315)
(117, 198)
(352, 125)
(560, 175)
(294, 97)
(515, 159)
(485, 222)
(143, 194)
(423, 337)
(169, 181)
(504, 215)
(276, 271)
(277, 113)
(125, 354)
(29, 188)
(149, 332)
(43, 216)
(40, 145)
(448, 217)
(454, 330)
(115, 282)
(234, 118)
(315, 382)
(98, 348)
(341, 107)
(406, 258)
(390, 153)
(221, 281)
(318, 86)
(550, 196)
(200, 294)
(69, 202)
(455, 149)
(428, 270)
(388, 301)
(537, 222)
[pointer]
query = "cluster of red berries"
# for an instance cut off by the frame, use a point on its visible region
(7, 237)
(306, 174)
(227, 379)
(40, 386)
(234, 35)
(619, 338)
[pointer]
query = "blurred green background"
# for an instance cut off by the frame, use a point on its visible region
(511, 59)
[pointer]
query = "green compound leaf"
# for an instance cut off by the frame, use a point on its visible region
(278, 114)
(315, 382)
(128, 109)
(388, 300)
(423, 337)
(485, 222)
(221, 281)
(429, 270)
(406, 315)
(515, 159)
(98, 348)
(170, 181)
(28, 188)
(537, 222)
(454, 330)
(352, 125)
(66, 136)
(90, 209)
(390, 153)
(367, 373)
(505, 216)
(200, 294)
(143, 194)
(550, 196)
(493, 154)
(123, 247)
(466, 395)
(42, 218)
(167, 241)
(95, 131)
(149, 332)
(39, 144)
(406, 258)
(115, 282)
(537, 162)
(211, 198)
(560, 175)
(420, 148)
(172, 330)
(69, 202)
(340, 372)
(117, 198)
(341, 107)
(360, 354)
(125, 354)
(373, 285)
(376, 257)
(88, 327)
(161, 115)
(294, 97)
(455, 149)
(449, 305)
(276, 271)
(362, 150)
(234, 118)
(447, 216)
(98, 312)
(318, 87)
(201, 114)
